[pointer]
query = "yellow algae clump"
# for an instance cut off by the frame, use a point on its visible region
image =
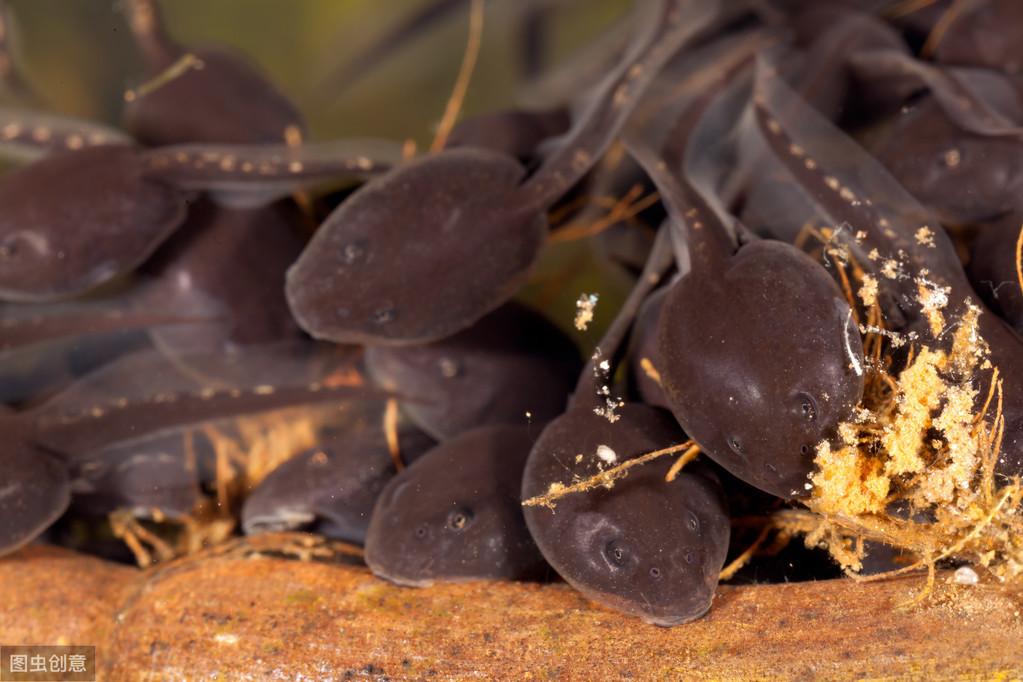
(847, 482)
(923, 440)
(933, 299)
(955, 423)
(868, 292)
(925, 237)
(921, 389)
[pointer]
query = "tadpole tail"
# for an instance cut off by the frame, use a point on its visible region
(150, 34)
(853, 192)
(663, 32)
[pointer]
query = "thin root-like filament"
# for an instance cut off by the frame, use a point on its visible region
(605, 478)
(472, 50)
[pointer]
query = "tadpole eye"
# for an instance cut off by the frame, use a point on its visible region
(459, 519)
(692, 522)
(808, 407)
(736, 445)
(421, 531)
(615, 554)
(804, 449)
(655, 573)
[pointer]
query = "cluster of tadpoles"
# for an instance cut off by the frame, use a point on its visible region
(160, 289)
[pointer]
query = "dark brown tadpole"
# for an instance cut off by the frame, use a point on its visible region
(150, 476)
(74, 220)
(24, 327)
(229, 99)
(246, 300)
(512, 367)
(27, 134)
(454, 514)
(34, 488)
(255, 175)
(962, 177)
(760, 357)
(118, 203)
(646, 547)
(893, 237)
(828, 35)
(331, 489)
(987, 34)
(956, 147)
(428, 249)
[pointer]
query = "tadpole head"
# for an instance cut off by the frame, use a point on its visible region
(646, 547)
(961, 176)
(761, 363)
(230, 101)
(455, 515)
(74, 220)
(34, 492)
(418, 254)
(331, 489)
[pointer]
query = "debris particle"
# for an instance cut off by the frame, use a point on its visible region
(925, 237)
(606, 454)
(898, 340)
(608, 412)
(890, 269)
(602, 372)
(649, 369)
(933, 298)
(585, 306)
(965, 575)
(868, 291)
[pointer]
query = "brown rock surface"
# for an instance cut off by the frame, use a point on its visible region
(251, 611)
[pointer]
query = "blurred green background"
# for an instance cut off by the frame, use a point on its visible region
(80, 55)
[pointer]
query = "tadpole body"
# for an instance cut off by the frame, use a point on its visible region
(454, 514)
(512, 367)
(646, 547)
(760, 359)
(331, 489)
